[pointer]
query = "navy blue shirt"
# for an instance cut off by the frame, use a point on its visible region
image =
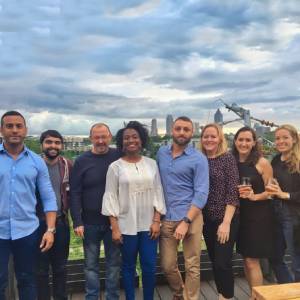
(185, 180)
(87, 182)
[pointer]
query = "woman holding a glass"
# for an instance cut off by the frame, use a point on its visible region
(256, 234)
(286, 193)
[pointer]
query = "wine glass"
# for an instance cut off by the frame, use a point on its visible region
(270, 185)
(273, 181)
(244, 186)
(246, 181)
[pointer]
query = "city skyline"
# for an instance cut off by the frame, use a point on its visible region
(69, 64)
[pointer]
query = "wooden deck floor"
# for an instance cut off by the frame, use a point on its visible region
(208, 292)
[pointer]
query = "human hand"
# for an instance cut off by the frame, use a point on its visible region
(181, 230)
(246, 192)
(154, 230)
(223, 232)
(117, 236)
(79, 231)
(47, 241)
(275, 190)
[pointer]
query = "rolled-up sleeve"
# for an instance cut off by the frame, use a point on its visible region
(201, 183)
(111, 203)
(45, 188)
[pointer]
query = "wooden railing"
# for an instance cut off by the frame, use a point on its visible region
(75, 278)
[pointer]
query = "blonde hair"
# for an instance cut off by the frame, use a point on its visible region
(222, 147)
(293, 160)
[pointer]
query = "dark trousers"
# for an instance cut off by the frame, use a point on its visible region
(56, 257)
(141, 244)
(24, 251)
(285, 238)
(221, 255)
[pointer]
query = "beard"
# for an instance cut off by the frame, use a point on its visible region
(49, 154)
(181, 141)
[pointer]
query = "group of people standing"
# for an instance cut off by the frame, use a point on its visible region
(254, 203)
(134, 204)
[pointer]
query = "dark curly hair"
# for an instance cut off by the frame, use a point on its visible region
(51, 133)
(139, 128)
(255, 153)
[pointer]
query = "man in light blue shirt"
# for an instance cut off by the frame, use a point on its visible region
(22, 173)
(185, 178)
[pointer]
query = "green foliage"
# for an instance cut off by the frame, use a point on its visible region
(33, 144)
(71, 154)
(270, 136)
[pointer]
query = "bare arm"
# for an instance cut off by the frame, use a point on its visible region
(116, 233)
(155, 226)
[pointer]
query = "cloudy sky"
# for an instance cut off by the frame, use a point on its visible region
(66, 64)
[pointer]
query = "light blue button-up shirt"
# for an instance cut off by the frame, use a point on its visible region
(185, 180)
(19, 180)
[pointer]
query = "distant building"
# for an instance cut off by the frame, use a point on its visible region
(261, 130)
(154, 130)
(196, 128)
(218, 117)
(76, 143)
(169, 124)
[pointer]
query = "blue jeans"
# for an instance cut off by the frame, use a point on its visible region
(57, 257)
(24, 251)
(285, 238)
(147, 249)
(93, 235)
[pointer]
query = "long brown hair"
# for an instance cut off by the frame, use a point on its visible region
(293, 158)
(255, 153)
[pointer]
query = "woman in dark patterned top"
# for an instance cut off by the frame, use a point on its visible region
(256, 233)
(221, 211)
(286, 166)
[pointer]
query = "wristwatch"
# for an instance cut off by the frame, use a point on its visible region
(187, 220)
(51, 229)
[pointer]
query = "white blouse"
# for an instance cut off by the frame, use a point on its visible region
(132, 192)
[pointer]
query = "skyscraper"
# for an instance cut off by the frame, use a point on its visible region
(154, 131)
(196, 128)
(218, 117)
(169, 124)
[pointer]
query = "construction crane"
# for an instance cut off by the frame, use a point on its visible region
(244, 115)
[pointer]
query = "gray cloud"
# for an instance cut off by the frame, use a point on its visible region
(91, 59)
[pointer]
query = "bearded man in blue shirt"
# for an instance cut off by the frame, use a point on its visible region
(185, 180)
(22, 173)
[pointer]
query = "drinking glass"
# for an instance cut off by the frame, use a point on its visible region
(246, 181)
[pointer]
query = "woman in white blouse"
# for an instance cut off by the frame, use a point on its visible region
(134, 202)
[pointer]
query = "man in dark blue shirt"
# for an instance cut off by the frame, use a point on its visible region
(22, 172)
(88, 180)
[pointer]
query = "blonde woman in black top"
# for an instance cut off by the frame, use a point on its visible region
(286, 193)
